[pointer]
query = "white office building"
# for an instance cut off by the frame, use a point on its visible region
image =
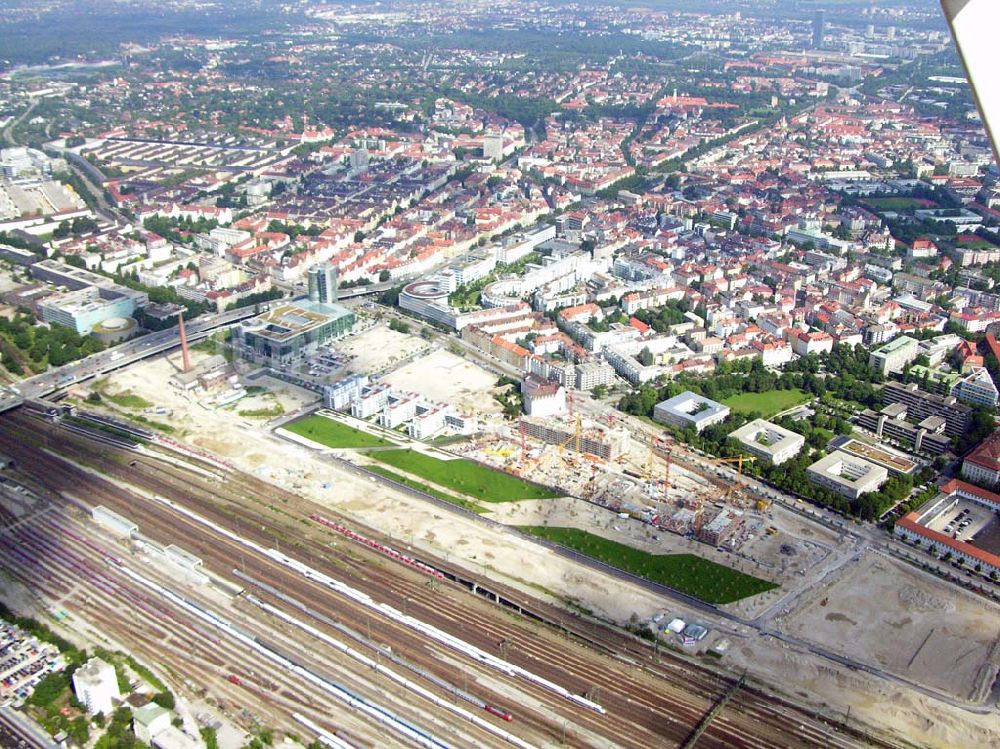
(847, 475)
(769, 441)
(978, 389)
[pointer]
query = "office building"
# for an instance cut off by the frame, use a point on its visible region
(323, 283)
(921, 405)
(89, 308)
(890, 423)
(847, 475)
(982, 465)
(95, 684)
(690, 410)
(285, 334)
(768, 441)
(819, 29)
(894, 355)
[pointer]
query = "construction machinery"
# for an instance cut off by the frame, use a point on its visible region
(761, 504)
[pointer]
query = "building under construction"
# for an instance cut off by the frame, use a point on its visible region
(606, 444)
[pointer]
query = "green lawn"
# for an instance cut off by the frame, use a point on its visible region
(464, 476)
(333, 433)
(425, 488)
(895, 204)
(128, 399)
(701, 578)
(977, 244)
(769, 403)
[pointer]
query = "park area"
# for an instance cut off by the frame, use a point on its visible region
(333, 433)
(687, 573)
(463, 476)
(768, 403)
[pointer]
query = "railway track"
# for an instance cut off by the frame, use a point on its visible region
(644, 708)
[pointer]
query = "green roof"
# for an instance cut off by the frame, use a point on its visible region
(895, 343)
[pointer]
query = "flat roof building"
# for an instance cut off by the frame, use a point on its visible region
(285, 334)
(978, 389)
(323, 283)
(690, 410)
(894, 355)
(96, 686)
(847, 475)
(769, 441)
(89, 308)
(921, 405)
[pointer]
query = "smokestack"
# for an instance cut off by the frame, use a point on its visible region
(184, 342)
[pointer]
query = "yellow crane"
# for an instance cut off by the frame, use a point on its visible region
(664, 446)
(575, 437)
(739, 460)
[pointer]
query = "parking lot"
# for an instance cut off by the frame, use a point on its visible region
(963, 520)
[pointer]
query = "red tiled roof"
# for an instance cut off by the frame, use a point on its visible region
(909, 522)
(958, 485)
(987, 454)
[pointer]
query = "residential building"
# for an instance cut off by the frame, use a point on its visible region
(804, 343)
(95, 684)
(371, 401)
(591, 374)
(398, 410)
(340, 395)
(978, 389)
(542, 397)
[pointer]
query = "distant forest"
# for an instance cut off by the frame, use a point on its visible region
(96, 31)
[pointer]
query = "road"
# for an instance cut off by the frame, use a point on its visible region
(100, 364)
(8, 133)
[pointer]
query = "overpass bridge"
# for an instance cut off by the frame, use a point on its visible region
(109, 360)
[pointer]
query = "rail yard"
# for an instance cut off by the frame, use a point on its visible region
(325, 629)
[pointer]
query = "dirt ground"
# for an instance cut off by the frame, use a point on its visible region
(538, 571)
(922, 629)
(443, 377)
(203, 426)
(379, 348)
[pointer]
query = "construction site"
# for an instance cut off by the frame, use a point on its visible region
(628, 471)
(744, 572)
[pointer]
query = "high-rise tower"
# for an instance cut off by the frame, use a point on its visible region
(323, 283)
